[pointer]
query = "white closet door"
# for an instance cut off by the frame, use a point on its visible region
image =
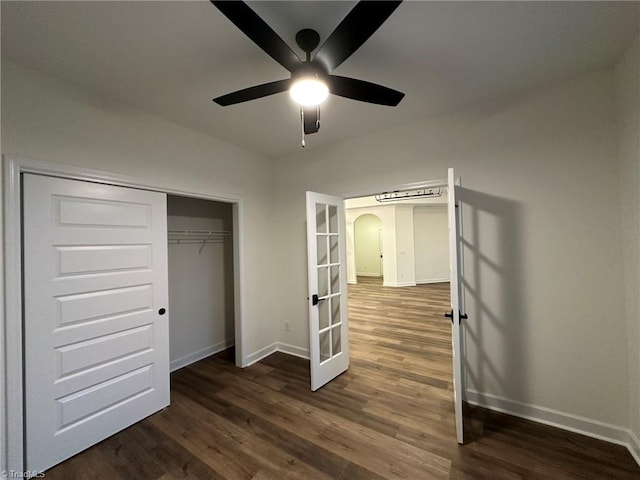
(95, 322)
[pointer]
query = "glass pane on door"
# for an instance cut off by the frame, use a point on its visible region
(322, 249)
(323, 282)
(323, 314)
(333, 219)
(336, 343)
(335, 279)
(335, 310)
(321, 218)
(325, 345)
(334, 251)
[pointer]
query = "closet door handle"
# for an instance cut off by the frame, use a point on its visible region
(162, 311)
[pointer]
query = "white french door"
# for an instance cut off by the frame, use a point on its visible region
(326, 256)
(95, 322)
(456, 303)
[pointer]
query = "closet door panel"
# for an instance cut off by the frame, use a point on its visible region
(95, 274)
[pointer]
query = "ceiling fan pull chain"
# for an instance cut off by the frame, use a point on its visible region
(302, 124)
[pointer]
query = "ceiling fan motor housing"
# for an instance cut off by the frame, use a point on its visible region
(308, 40)
(312, 69)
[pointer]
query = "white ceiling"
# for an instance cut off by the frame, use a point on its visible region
(172, 58)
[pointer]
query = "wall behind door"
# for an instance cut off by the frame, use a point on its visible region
(431, 233)
(201, 314)
(367, 245)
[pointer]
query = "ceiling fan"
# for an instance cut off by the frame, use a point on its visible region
(311, 79)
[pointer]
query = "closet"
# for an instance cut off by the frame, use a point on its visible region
(201, 278)
(119, 286)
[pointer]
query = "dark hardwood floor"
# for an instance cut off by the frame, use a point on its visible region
(390, 416)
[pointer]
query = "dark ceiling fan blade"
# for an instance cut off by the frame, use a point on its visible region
(257, 30)
(363, 91)
(252, 93)
(359, 24)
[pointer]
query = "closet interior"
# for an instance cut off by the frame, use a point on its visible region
(201, 278)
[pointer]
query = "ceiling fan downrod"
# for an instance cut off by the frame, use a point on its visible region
(302, 125)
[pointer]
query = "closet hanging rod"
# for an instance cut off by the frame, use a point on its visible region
(189, 241)
(199, 232)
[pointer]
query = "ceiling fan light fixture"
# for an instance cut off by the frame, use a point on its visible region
(309, 91)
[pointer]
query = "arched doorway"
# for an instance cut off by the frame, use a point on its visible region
(367, 232)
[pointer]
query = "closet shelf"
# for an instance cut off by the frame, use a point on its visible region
(197, 233)
(196, 236)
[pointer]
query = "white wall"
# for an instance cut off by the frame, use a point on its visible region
(366, 232)
(419, 233)
(405, 258)
(398, 262)
(541, 183)
(388, 220)
(430, 227)
(628, 100)
(43, 118)
(201, 297)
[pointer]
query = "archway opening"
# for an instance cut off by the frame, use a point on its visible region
(367, 232)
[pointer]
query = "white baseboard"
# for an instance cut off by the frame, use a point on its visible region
(398, 284)
(200, 354)
(277, 347)
(634, 446)
(260, 354)
(293, 350)
(555, 418)
(433, 280)
(367, 274)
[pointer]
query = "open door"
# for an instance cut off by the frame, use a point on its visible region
(326, 256)
(455, 315)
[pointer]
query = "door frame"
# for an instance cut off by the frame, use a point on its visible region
(441, 182)
(12, 437)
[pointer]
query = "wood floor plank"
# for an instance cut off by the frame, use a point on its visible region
(390, 416)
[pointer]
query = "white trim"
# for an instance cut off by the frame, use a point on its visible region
(634, 446)
(555, 418)
(433, 280)
(13, 434)
(264, 352)
(3, 391)
(43, 167)
(11, 431)
(352, 282)
(238, 282)
(398, 284)
(368, 274)
(293, 350)
(200, 354)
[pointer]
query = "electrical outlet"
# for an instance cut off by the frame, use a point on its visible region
(286, 326)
